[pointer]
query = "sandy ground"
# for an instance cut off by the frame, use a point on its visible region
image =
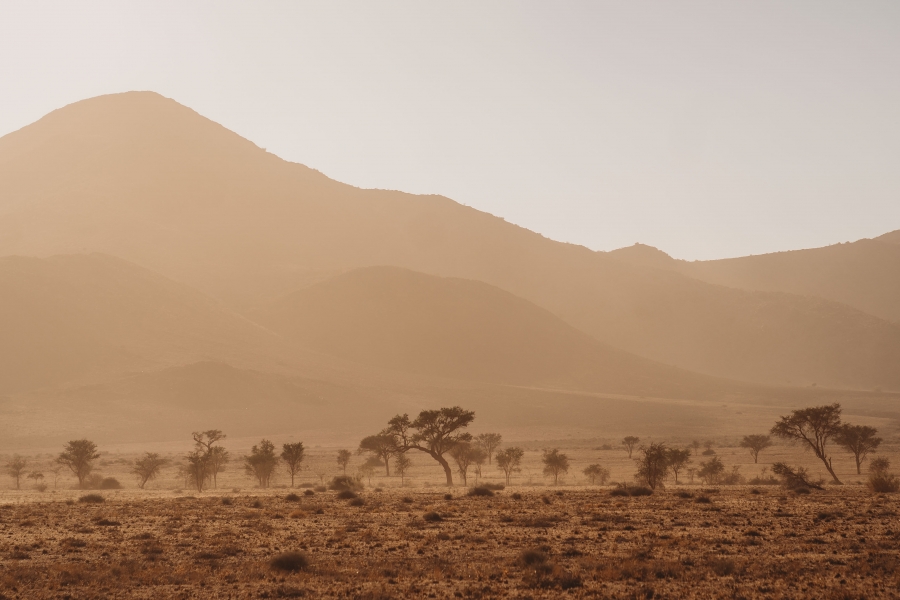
(522, 542)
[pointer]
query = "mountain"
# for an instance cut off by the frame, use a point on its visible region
(78, 317)
(399, 319)
(143, 178)
(892, 237)
(863, 274)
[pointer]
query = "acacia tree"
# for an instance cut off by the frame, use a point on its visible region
(434, 432)
(711, 471)
(508, 461)
(488, 442)
(343, 459)
(478, 462)
(293, 455)
(206, 460)
(401, 466)
(38, 479)
(383, 445)
(367, 469)
(147, 467)
(79, 457)
(465, 456)
(861, 440)
(678, 459)
(15, 467)
(261, 462)
(653, 464)
(630, 442)
(596, 472)
(218, 458)
(813, 427)
(555, 462)
(756, 443)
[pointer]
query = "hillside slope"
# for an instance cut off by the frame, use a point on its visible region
(68, 317)
(448, 327)
(144, 178)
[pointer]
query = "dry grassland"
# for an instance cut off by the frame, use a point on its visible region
(683, 542)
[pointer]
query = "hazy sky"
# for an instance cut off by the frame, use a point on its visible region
(708, 129)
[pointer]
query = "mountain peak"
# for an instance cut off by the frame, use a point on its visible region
(644, 255)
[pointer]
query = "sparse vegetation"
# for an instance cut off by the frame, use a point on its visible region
(147, 467)
(509, 461)
(596, 474)
(630, 442)
(794, 478)
(711, 471)
(881, 480)
(79, 457)
(859, 440)
(466, 455)
(488, 442)
(756, 443)
(434, 432)
(261, 462)
(15, 467)
(343, 459)
(555, 464)
(292, 455)
(813, 427)
(653, 465)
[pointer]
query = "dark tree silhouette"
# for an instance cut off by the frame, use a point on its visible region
(488, 442)
(711, 470)
(79, 456)
(630, 442)
(555, 463)
(384, 445)
(293, 455)
(653, 464)
(465, 456)
(508, 461)
(343, 459)
(756, 443)
(261, 462)
(147, 467)
(401, 466)
(207, 459)
(15, 467)
(814, 427)
(434, 432)
(678, 459)
(596, 472)
(861, 440)
(218, 458)
(793, 478)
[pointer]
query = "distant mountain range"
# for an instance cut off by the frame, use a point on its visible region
(143, 241)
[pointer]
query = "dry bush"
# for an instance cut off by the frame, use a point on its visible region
(432, 517)
(346, 495)
(290, 561)
(91, 499)
(480, 491)
(357, 502)
(345, 483)
(292, 498)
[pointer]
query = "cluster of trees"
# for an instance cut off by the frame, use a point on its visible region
(813, 427)
(442, 435)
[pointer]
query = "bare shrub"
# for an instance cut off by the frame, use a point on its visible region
(480, 491)
(290, 561)
(91, 499)
(345, 482)
(794, 478)
(880, 479)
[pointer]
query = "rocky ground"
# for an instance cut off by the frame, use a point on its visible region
(686, 542)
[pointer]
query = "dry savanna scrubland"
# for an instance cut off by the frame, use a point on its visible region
(422, 539)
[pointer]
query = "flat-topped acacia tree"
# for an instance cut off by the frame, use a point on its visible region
(434, 432)
(813, 427)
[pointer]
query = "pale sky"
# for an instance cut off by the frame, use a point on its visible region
(707, 129)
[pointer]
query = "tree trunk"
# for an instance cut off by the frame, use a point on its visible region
(447, 470)
(831, 471)
(858, 465)
(387, 466)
